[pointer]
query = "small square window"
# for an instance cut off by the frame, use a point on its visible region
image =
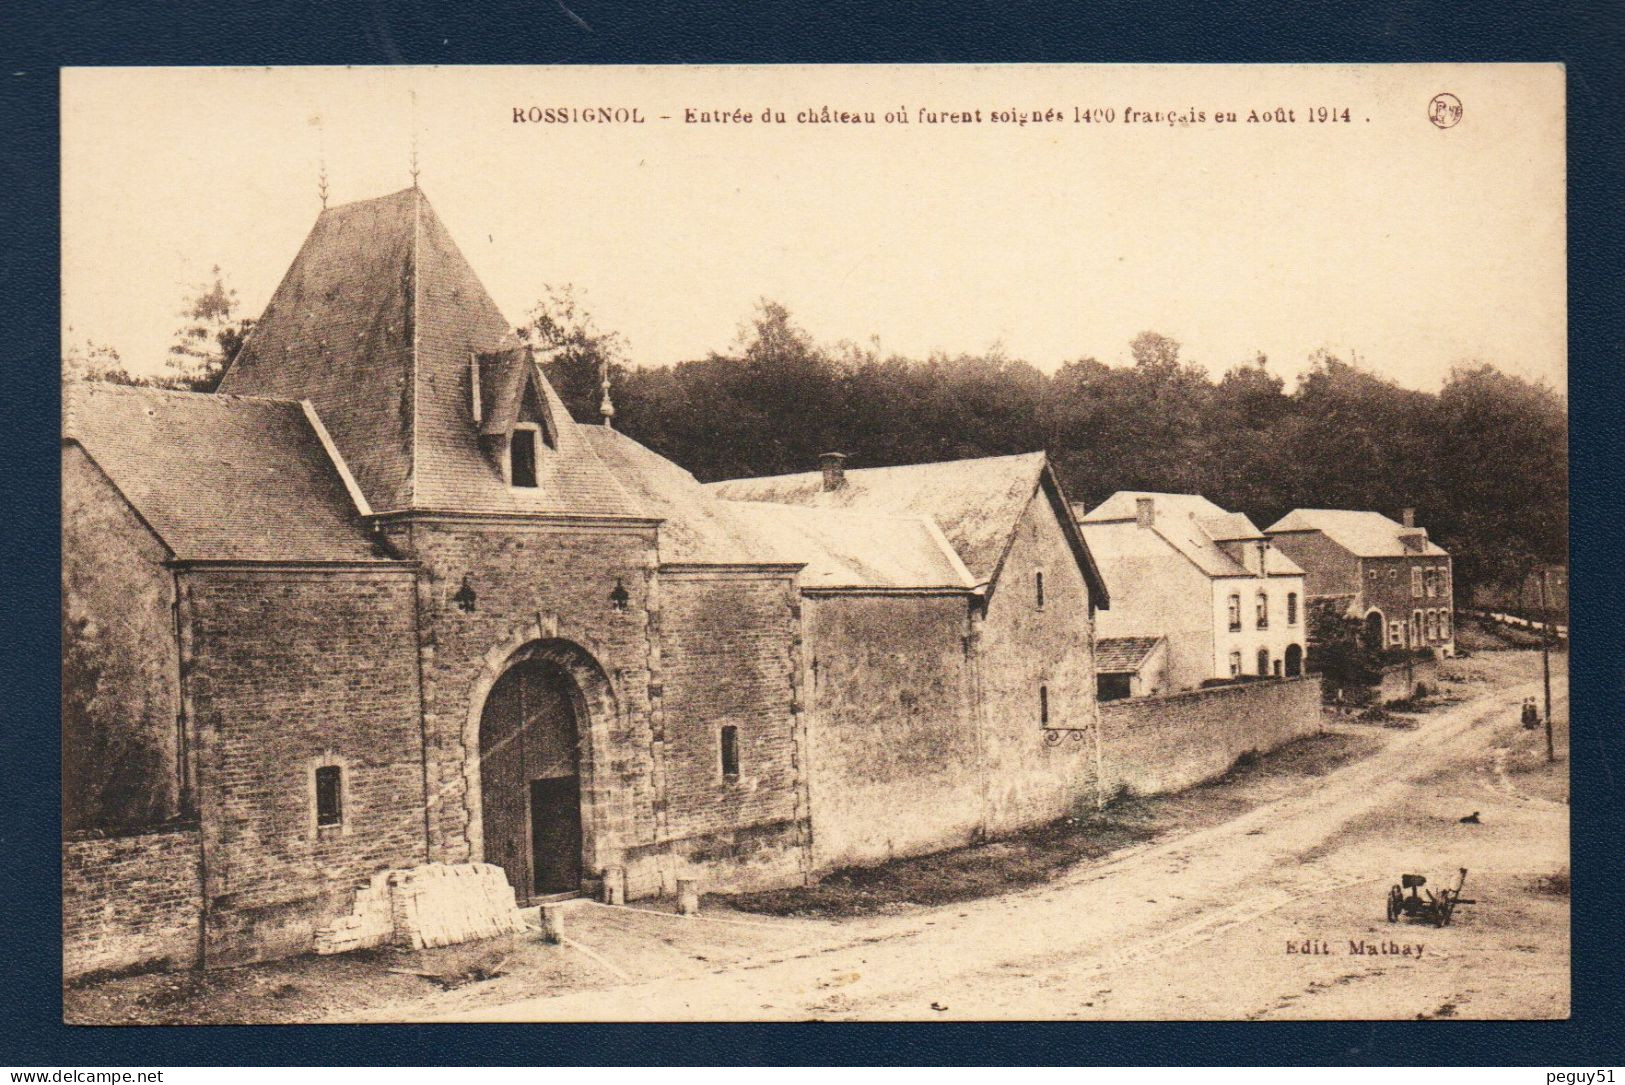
(329, 795)
(730, 752)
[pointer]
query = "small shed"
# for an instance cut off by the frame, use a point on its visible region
(1130, 667)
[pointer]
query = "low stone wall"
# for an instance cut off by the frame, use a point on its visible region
(131, 903)
(1159, 744)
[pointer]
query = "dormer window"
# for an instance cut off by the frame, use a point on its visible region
(522, 454)
(515, 425)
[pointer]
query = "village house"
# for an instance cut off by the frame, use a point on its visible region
(1397, 581)
(381, 603)
(1204, 580)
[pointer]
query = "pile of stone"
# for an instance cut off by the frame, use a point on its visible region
(437, 904)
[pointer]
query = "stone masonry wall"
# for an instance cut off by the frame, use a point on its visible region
(1161, 744)
(1024, 647)
(730, 656)
(122, 769)
(288, 670)
(895, 757)
(538, 581)
(130, 903)
(1328, 568)
(1388, 587)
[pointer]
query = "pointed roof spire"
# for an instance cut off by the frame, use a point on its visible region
(414, 139)
(606, 406)
(374, 324)
(321, 158)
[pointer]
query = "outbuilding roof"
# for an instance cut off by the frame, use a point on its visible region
(851, 550)
(839, 549)
(696, 528)
(977, 503)
(1123, 655)
(217, 477)
(1362, 533)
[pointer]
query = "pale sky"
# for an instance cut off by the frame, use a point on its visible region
(1415, 246)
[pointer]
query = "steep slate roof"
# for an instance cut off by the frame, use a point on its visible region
(219, 477)
(846, 549)
(697, 528)
(1364, 534)
(1123, 655)
(1190, 523)
(977, 503)
(502, 388)
(374, 323)
(839, 549)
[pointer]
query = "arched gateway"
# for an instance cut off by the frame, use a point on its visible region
(534, 754)
(1376, 631)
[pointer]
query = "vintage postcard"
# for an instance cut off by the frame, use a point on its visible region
(814, 543)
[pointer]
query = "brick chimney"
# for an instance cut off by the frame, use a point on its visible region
(834, 467)
(1413, 538)
(1145, 511)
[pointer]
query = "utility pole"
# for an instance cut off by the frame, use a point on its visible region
(1546, 660)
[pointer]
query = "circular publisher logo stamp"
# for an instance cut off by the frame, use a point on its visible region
(1445, 110)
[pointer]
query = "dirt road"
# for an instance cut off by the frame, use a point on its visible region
(1211, 924)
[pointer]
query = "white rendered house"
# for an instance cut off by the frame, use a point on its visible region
(1178, 566)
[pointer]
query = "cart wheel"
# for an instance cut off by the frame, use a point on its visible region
(1396, 903)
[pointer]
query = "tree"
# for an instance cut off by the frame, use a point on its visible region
(1501, 446)
(1484, 460)
(92, 361)
(1350, 669)
(578, 351)
(209, 339)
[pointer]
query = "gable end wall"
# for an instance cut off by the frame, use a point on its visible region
(1023, 647)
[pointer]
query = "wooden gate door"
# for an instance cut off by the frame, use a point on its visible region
(529, 780)
(552, 769)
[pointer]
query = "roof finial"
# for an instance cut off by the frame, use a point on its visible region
(605, 406)
(321, 158)
(414, 138)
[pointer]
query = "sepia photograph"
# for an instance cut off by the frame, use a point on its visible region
(814, 543)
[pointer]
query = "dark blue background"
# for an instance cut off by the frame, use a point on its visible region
(36, 38)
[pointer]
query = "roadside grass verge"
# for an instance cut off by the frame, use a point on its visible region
(1038, 855)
